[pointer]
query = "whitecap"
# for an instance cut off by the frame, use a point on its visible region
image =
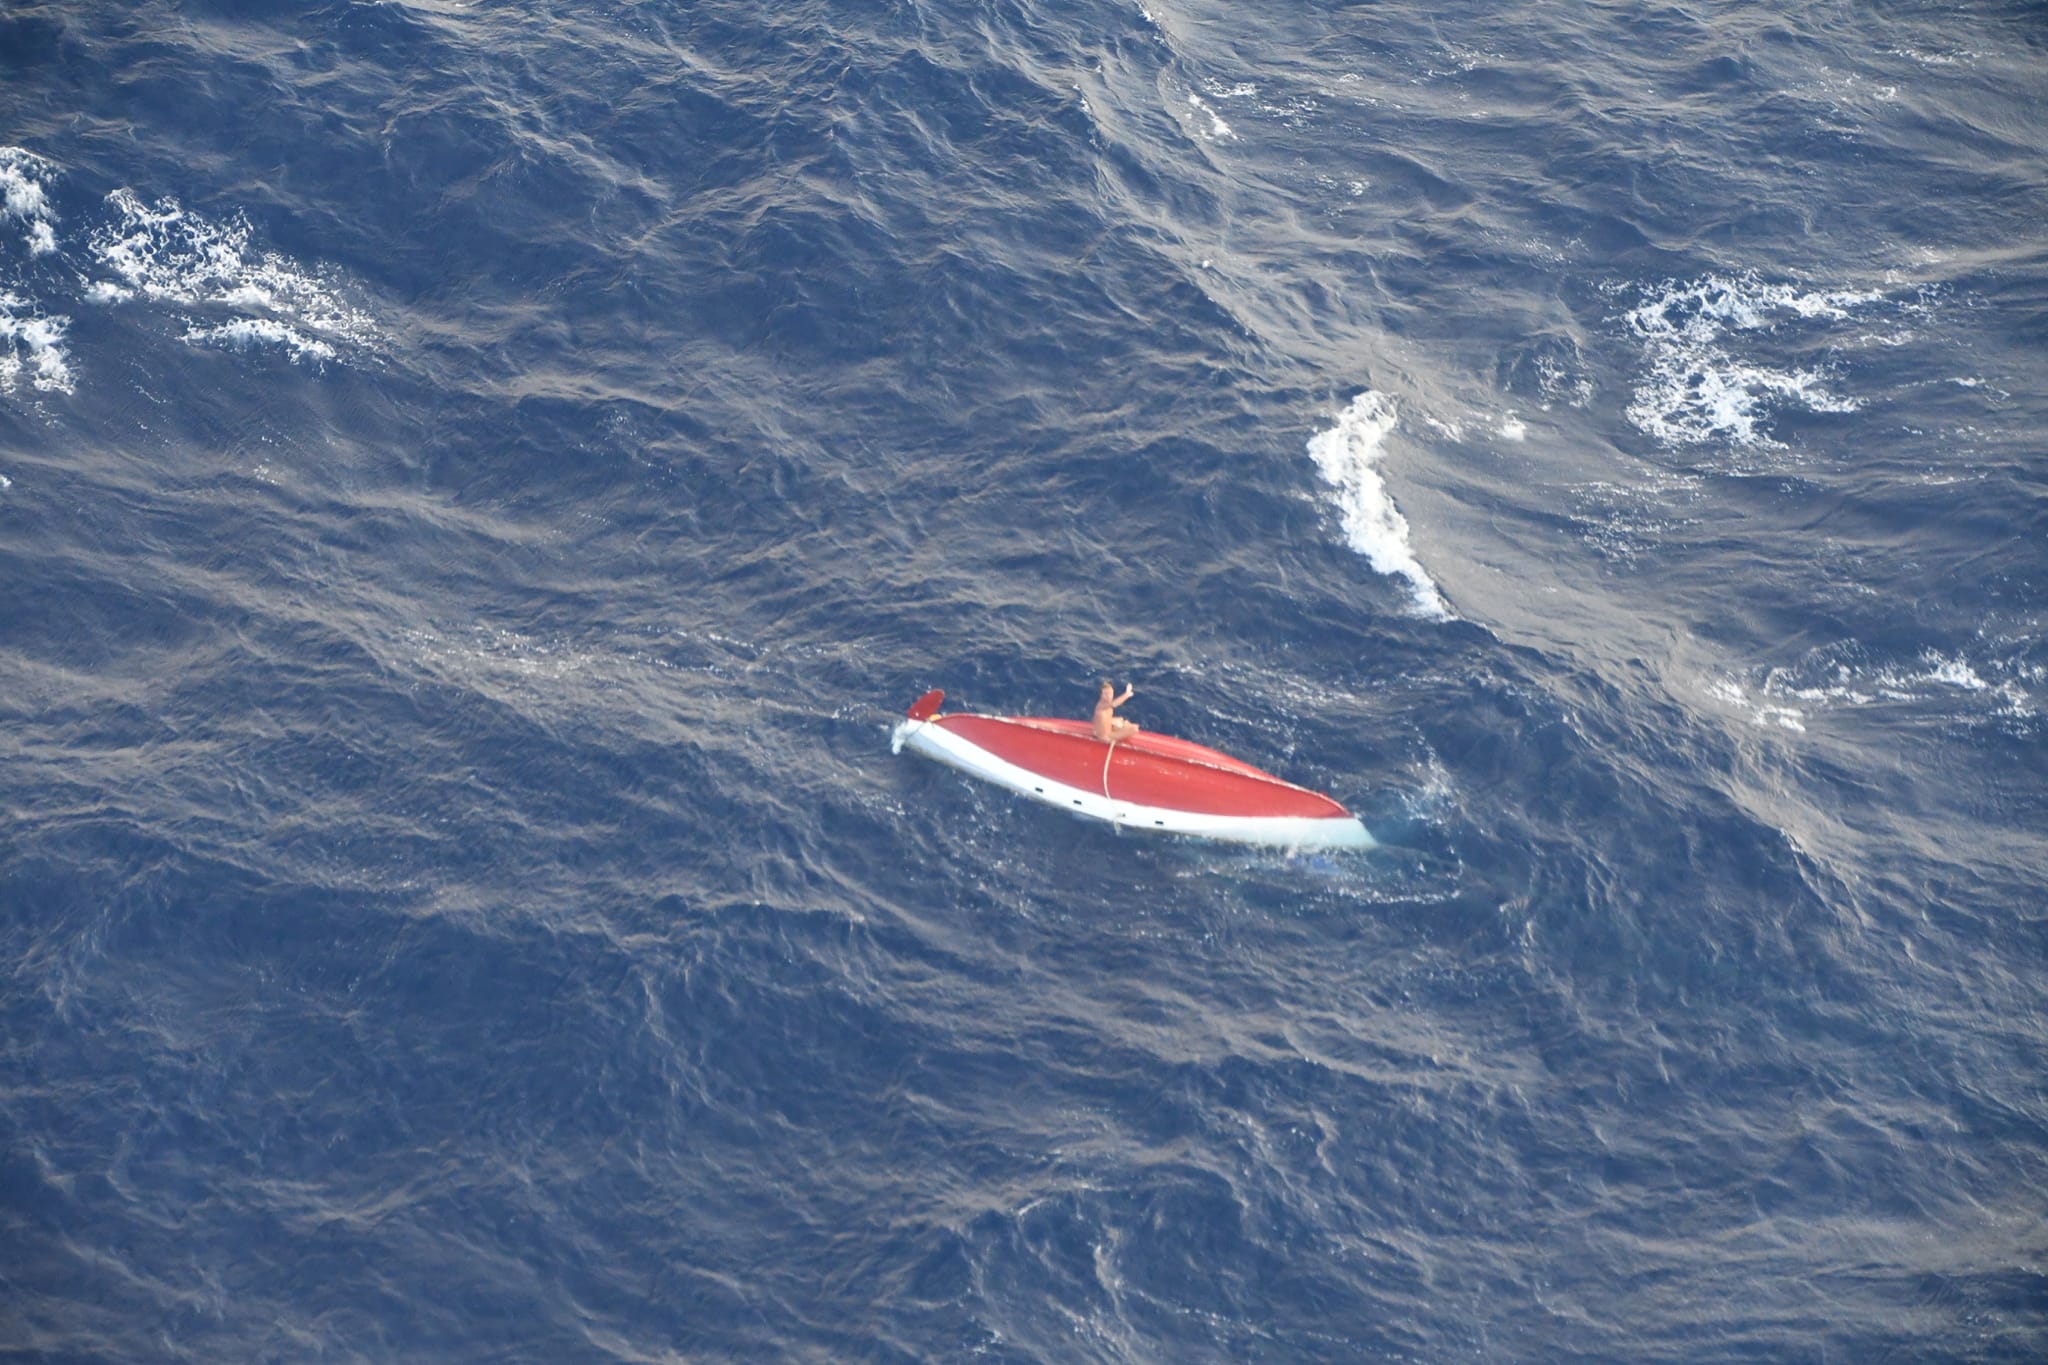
(250, 333)
(22, 177)
(1954, 672)
(1843, 677)
(164, 253)
(1219, 131)
(1347, 455)
(32, 344)
(1760, 712)
(1697, 386)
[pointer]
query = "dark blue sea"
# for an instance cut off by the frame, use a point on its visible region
(479, 482)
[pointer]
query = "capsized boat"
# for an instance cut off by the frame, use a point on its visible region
(1146, 782)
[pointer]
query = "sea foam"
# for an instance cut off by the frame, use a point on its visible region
(239, 297)
(1347, 456)
(250, 333)
(31, 335)
(1700, 383)
(22, 177)
(164, 253)
(1844, 677)
(31, 344)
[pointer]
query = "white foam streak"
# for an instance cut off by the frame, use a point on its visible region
(1730, 692)
(1347, 455)
(255, 332)
(1218, 130)
(1785, 697)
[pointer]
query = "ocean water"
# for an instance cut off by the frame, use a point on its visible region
(479, 482)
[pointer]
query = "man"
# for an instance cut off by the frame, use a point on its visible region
(1108, 726)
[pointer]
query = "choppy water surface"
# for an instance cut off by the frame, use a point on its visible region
(478, 483)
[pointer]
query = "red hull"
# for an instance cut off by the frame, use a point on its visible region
(1144, 770)
(1148, 782)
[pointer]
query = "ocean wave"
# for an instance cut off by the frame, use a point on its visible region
(251, 333)
(453, 810)
(1844, 677)
(1207, 125)
(23, 175)
(163, 253)
(168, 254)
(1702, 379)
(31, 334)
(1348, 455)
(33, 346)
